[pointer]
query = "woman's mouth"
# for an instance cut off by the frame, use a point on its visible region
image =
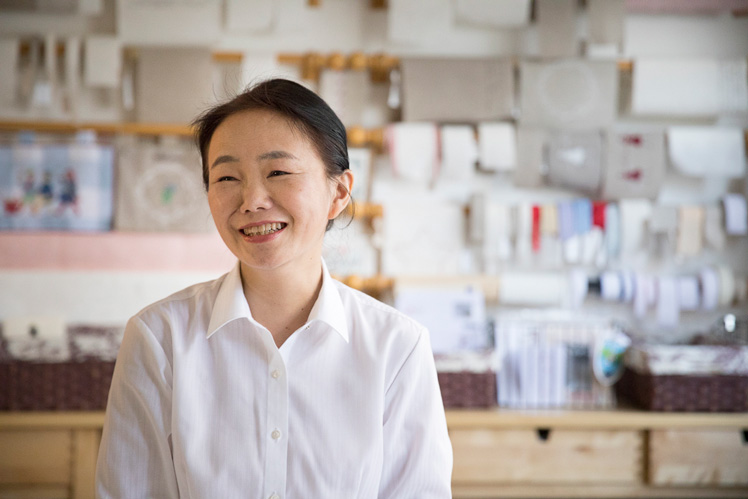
(264, 229)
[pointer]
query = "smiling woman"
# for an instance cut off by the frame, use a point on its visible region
(274, 380)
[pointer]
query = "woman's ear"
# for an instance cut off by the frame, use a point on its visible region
(341, 194)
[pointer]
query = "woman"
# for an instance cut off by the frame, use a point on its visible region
(274, 381)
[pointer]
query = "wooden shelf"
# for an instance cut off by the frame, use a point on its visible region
(592, 419)
(483, 418)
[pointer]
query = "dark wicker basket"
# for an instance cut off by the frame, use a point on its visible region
(55, 386)
(687, 393)
(468, 389)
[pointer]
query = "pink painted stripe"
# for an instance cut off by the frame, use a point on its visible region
(114, 251)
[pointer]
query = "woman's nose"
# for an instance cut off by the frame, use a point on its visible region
(255, 197)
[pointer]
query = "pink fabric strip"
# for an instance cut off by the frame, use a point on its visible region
(114, 251)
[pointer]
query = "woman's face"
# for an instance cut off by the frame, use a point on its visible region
(268, 191)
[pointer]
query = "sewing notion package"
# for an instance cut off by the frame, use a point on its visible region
(47, 185)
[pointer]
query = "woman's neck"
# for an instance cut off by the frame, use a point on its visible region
(281, 299)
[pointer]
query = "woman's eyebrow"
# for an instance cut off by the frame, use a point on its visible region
(224, 159)
(276, 155)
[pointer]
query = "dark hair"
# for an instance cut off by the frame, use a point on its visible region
(302, 107)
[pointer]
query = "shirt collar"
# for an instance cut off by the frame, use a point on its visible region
(231, 304)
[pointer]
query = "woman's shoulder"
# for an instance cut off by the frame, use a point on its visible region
(368, 309)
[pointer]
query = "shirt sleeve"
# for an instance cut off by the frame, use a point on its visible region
(135, 456)
(417, 450)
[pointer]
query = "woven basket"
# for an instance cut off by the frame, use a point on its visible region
(55, 386)
(687, 393)
(468, 389)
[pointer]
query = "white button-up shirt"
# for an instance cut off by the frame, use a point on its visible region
(204, 405)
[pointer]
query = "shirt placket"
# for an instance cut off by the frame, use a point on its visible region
(276, 455)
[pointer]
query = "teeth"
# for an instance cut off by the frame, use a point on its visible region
(263, 230)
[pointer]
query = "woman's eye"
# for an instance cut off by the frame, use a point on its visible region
(225, 178)
(276, 173)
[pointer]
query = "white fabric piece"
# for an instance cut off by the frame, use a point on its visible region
(606, 20)
(707, 151)
(714, 227)
(357, 382)
(627, 286)
(532, 288)
(346, 92)
(683, 87)
(688, 293)
(578, 287)
(523, 233)
(493, 13)
(497, 146)
(690, 230)
(348, 250)
(611, 286)
(413, 149)
(498, 231)
(726, 279)
(429, 244)
(668, 308)
(556, 22)
(644, 294)
(249, 15)
(709, 280)
(158, 23)
(736, 214)
(634, 213)
(102, 63)
(459, 153)
(9, 50)
(418, 21)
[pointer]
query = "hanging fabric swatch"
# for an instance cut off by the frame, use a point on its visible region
(414, 150)
(422, 246)
(457, 90)
(159, 188)
(557, 27)
(493, 13)
(569, 93)
(702, 151)
(9, 50)
(173, 85)
(346, 92)
(102, 63)
(497, 146)
(714, 227)
(634, 214)
(418, 21)
(574, 160)
(459, 153)
(531, 168)
(736, 214)
(668, 308)
(186, 24)
(690, 230)
(689, 87)
(249, 15)
(606, 19)
(635, 166)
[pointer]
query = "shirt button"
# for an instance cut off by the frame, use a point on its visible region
(275, 374)
(307, 326)
(276, 434)
(275, 496)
